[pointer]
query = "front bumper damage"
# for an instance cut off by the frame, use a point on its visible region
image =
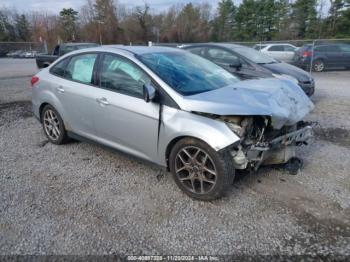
(277, 150)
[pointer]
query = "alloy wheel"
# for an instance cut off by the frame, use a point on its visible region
(319, 66)
(51, 125)
(195, 169)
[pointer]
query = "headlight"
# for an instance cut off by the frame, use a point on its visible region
(288, 77)
(235, 128)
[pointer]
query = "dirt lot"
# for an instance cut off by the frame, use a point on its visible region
(83, 199)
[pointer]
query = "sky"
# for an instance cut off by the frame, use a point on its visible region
(54, 6)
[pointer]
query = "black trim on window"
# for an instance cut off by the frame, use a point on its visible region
(97, 53)
(162, 98)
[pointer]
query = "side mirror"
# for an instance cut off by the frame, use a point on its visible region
(236, 63)
(149, 92)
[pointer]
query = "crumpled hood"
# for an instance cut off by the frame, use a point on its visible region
(282, 100)
(287, 69)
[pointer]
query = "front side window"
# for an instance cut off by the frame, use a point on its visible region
(80, 68)
(333, 48)
(197, 50)
(59, 68)
(221, 56)
(186, 73)
(345, 48)
(289, 48)
(254, 56)
(121, 75)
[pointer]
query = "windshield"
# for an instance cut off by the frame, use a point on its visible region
(187, 73)
(255, 56)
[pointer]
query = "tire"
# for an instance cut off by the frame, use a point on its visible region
(318, 66)
(53, 125)
(195, 175)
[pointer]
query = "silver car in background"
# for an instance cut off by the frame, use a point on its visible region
(280, 51)
(172, 108)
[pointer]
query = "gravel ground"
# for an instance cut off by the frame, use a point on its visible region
(83, 199)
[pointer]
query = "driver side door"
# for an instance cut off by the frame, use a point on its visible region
(123, 119)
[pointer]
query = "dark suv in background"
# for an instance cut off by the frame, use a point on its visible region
(325, 56)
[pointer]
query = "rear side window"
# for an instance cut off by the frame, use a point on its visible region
(321, 48)
(276, 48)
(121, 75)
(80, 68)
(59, 68)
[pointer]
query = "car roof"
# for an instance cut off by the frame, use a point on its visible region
(74, 44)
(139, 50)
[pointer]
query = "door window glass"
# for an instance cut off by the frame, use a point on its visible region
(80, 68)
(276, 48)
(289, 48)
(345, 48)
(333, 48)
(197, 50)
(123, 76)
(221, 56)
(59, 68)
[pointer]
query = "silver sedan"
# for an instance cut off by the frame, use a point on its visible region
(172, 108)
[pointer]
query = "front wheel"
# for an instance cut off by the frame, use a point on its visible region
(200, 171)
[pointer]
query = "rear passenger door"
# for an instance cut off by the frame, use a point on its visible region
(334, 56)
(74, 87)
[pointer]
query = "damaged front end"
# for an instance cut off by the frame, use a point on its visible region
(261, 144)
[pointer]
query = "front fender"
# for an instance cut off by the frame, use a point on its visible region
(177, 123)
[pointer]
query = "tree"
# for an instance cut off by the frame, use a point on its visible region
(22, 27)
(106, 21)
(144, 20)
(304, 15)
(68, 19)
(7, 28)
(223, 24)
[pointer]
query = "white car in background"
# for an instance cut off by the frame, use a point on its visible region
(282, 52)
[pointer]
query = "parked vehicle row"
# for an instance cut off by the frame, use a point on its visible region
(22, 54)
(247, 63)
(173, 108)
(321, 56)
(44, 60)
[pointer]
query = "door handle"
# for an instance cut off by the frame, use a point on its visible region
(102, 101)
(60, 89)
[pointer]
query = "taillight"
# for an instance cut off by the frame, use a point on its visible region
(34, 80)
(306, 54)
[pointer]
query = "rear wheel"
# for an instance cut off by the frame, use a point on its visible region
(199, 171)
(53, 125)
(318, 66)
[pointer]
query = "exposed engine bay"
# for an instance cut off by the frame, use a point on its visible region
(261, 144)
